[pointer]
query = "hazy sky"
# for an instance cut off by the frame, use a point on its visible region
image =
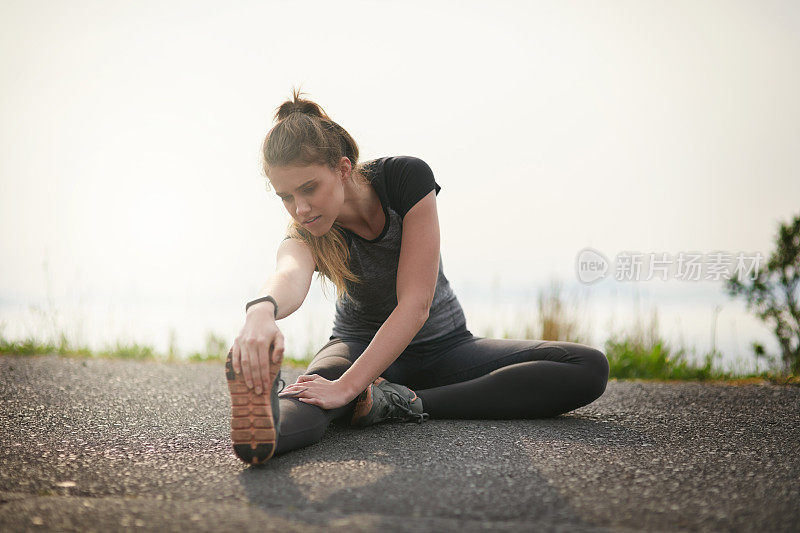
(129, 156)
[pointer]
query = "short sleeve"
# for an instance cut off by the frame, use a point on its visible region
(316, 269)
(408, 180)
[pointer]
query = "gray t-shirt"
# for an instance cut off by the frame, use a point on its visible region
(400, 183)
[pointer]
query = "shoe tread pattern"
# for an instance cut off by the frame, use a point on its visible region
(253, 432)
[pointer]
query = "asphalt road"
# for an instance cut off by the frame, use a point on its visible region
(98, 445)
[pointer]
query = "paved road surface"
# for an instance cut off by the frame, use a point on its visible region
(107, 445)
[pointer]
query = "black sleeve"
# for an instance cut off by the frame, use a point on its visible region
(316, 269)
(408, 180)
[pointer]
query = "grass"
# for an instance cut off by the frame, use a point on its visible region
(215, 351)
(641, 353)
(636, 353)
(628, 359)
(120, 350)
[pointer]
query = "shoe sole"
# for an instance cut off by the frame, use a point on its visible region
(253, 431)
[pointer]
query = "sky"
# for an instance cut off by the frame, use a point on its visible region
(129, 149)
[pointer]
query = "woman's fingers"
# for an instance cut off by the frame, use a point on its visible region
(261, 377)
(292, 393)
(255, 368)
(247, 365)
(296, 386)
(312, 401)
(277, 350)
(297, 390)
(236, 359)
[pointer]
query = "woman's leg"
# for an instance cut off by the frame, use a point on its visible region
(302, 424)
(484, 378)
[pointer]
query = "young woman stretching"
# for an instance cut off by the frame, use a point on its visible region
(400, 348)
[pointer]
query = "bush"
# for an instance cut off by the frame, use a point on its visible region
(629, 359)
(642, 353)
(139, 352)
(773, 295)
(216, 350)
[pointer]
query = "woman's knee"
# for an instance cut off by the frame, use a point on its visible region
(597, 362)
(300, 425)
(330, 367)
(585, 355)
(594, 367)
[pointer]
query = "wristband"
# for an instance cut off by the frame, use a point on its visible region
(262, 299)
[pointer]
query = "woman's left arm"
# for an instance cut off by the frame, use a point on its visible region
(417, 272)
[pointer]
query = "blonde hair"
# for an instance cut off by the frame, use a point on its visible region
(306, 135)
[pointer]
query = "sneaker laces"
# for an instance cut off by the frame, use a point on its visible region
(398, 400)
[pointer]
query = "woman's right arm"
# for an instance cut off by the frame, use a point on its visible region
(260, 342)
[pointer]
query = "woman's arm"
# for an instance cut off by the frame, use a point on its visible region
(260, 343)
(389, 342)
(417, 272)
(289, 283)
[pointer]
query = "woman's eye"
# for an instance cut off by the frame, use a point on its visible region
(306, 191)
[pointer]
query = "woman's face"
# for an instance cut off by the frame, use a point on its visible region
(311, 192)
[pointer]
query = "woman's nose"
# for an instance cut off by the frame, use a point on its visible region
(303, 208)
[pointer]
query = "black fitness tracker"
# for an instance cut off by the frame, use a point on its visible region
(262, 299)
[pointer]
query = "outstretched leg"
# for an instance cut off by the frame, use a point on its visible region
(484, 378)
(303, 424)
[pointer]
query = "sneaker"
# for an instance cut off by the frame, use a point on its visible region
(387, 401)
(254, 417)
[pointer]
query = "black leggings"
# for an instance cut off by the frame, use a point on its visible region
(461, 376)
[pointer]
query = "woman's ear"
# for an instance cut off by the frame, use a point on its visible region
(345, 168)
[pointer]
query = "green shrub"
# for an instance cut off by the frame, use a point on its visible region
(132, 350)
(628, 358)
(773, 295)
(216, 350)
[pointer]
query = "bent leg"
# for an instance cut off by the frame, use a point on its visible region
(503, 378)
(302, 424)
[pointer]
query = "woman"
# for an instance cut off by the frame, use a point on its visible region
(400, 348)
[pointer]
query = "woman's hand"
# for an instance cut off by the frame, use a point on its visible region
(259, 345)
(316, 390)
